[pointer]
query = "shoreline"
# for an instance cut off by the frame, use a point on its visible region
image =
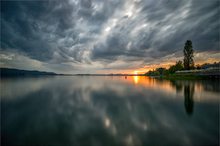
(187, 77)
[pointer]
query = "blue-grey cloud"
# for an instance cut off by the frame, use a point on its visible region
(96, 32)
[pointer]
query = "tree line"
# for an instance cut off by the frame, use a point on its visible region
(186, 64)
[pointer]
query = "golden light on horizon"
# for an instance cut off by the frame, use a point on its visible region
(165, 63)
(135, 72)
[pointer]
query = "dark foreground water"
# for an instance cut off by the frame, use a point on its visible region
(104, 111)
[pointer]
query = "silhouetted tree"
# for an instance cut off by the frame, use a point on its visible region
(161, 70)
(179, 65)
(188, 55)
(198, 66)
(153, 73)
(176, 67)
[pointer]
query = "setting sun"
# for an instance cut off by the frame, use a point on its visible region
(135, 72)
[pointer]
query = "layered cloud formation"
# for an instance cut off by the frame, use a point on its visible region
(89, 36)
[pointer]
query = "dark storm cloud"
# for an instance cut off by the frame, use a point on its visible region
(88, 31)
(168, 25)
(41, 28)
(32, 27)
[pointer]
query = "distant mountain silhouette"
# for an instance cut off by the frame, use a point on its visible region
(9, 72)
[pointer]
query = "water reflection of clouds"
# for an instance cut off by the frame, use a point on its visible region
(18, 87)
(104, 110)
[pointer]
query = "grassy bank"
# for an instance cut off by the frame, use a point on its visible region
(186, 77)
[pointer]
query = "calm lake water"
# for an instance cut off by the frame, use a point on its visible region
(105, 110)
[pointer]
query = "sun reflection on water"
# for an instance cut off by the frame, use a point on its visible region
(136, 79)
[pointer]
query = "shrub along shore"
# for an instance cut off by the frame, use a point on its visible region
(205, 71)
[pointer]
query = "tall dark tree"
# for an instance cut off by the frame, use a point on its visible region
(188, 55)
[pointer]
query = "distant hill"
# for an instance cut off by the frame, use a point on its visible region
(9, 72)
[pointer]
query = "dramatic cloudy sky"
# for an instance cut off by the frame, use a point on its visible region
(104, 36)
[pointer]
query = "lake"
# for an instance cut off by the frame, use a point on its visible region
(109, 110)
